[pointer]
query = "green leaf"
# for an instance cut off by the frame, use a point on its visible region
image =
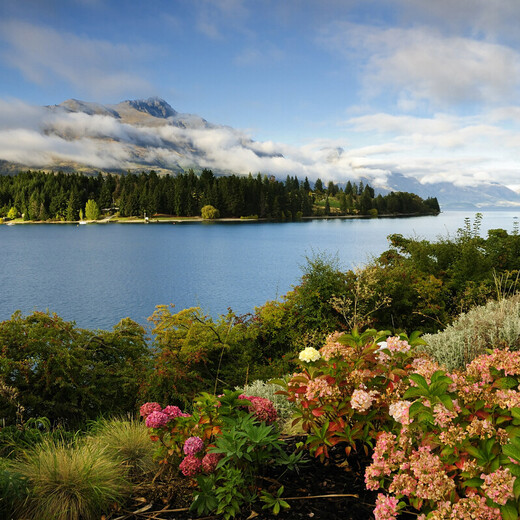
(414, 392)
(473, 482)
(446, 401)
(512, 451)
(420, 381)
(509, 511)
(506, 382)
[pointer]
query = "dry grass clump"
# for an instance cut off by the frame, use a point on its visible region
(126, 441)
(70, 482)
(494, 325)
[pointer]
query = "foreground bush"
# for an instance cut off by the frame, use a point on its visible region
(455, 453)
(223, 445)
(344, 391)
(489, 326)
(70, 482)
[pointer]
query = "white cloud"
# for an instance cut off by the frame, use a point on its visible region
(422, 65)
(464, 150)
(95, 68)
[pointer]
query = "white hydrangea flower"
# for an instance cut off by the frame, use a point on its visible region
(309, 354)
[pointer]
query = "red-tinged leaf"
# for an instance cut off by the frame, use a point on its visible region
(481, 414)
(348, 449)
(319, 451)
(317, 412)
(300, 390)
(460, 463)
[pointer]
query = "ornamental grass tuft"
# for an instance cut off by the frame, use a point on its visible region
(126, 441)
(70, 482)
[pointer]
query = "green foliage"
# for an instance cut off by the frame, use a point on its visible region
(209, 212)
(13, 489)
(472, 333)
(12, 213)
(70, 482)
(92, 211)
(61, 372)
(193, 353)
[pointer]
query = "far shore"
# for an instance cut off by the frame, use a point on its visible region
(180, 220)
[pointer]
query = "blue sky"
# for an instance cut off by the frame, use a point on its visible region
(421, 87)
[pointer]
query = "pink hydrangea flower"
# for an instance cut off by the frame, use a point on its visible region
(262, 408)
(400, 411)
(193, 445)
(386, 507)
(156, 420)
(148, 408)
(210, 461)
(362, 400)
(498, 485)
(190, 466)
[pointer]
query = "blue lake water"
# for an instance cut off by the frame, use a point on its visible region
(98, 274)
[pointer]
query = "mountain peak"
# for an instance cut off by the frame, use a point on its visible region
(154, 106)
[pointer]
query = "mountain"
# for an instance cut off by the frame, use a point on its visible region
(493, 196)
(146, 134)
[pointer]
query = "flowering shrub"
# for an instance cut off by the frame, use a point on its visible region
(343, 391)
(455, 454)
(222, 445)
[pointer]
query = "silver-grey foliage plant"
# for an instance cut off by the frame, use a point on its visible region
(494, 325)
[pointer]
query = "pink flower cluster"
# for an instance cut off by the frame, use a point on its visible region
(174, 411)
(148, 408)
(320, 388)
(400, 412)
(362, 400)
(395, 344)
(156, 420)
(193, 445)
(210, 461)
(190, 466)
(473, 507)
(386, 507)
(262, 408)
(498, 485)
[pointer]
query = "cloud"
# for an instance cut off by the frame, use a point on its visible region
(422, 65)
(96, 68)
(468, 151)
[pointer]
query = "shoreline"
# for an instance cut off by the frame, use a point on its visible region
(181, 220)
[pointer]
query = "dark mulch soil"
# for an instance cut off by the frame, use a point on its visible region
(332, 490)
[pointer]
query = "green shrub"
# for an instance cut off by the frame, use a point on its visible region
(494, 325)
(126, 441)
(70, 482)
(68, 374)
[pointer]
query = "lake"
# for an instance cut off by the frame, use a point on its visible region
(97, 274)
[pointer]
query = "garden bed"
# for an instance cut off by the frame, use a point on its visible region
(321, 491)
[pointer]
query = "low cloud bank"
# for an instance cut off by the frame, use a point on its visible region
(465, 151)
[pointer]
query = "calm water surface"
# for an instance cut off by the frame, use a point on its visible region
(98, 274)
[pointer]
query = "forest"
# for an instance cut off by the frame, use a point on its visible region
(40, 196)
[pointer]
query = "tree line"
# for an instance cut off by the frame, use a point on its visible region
(37, 195)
